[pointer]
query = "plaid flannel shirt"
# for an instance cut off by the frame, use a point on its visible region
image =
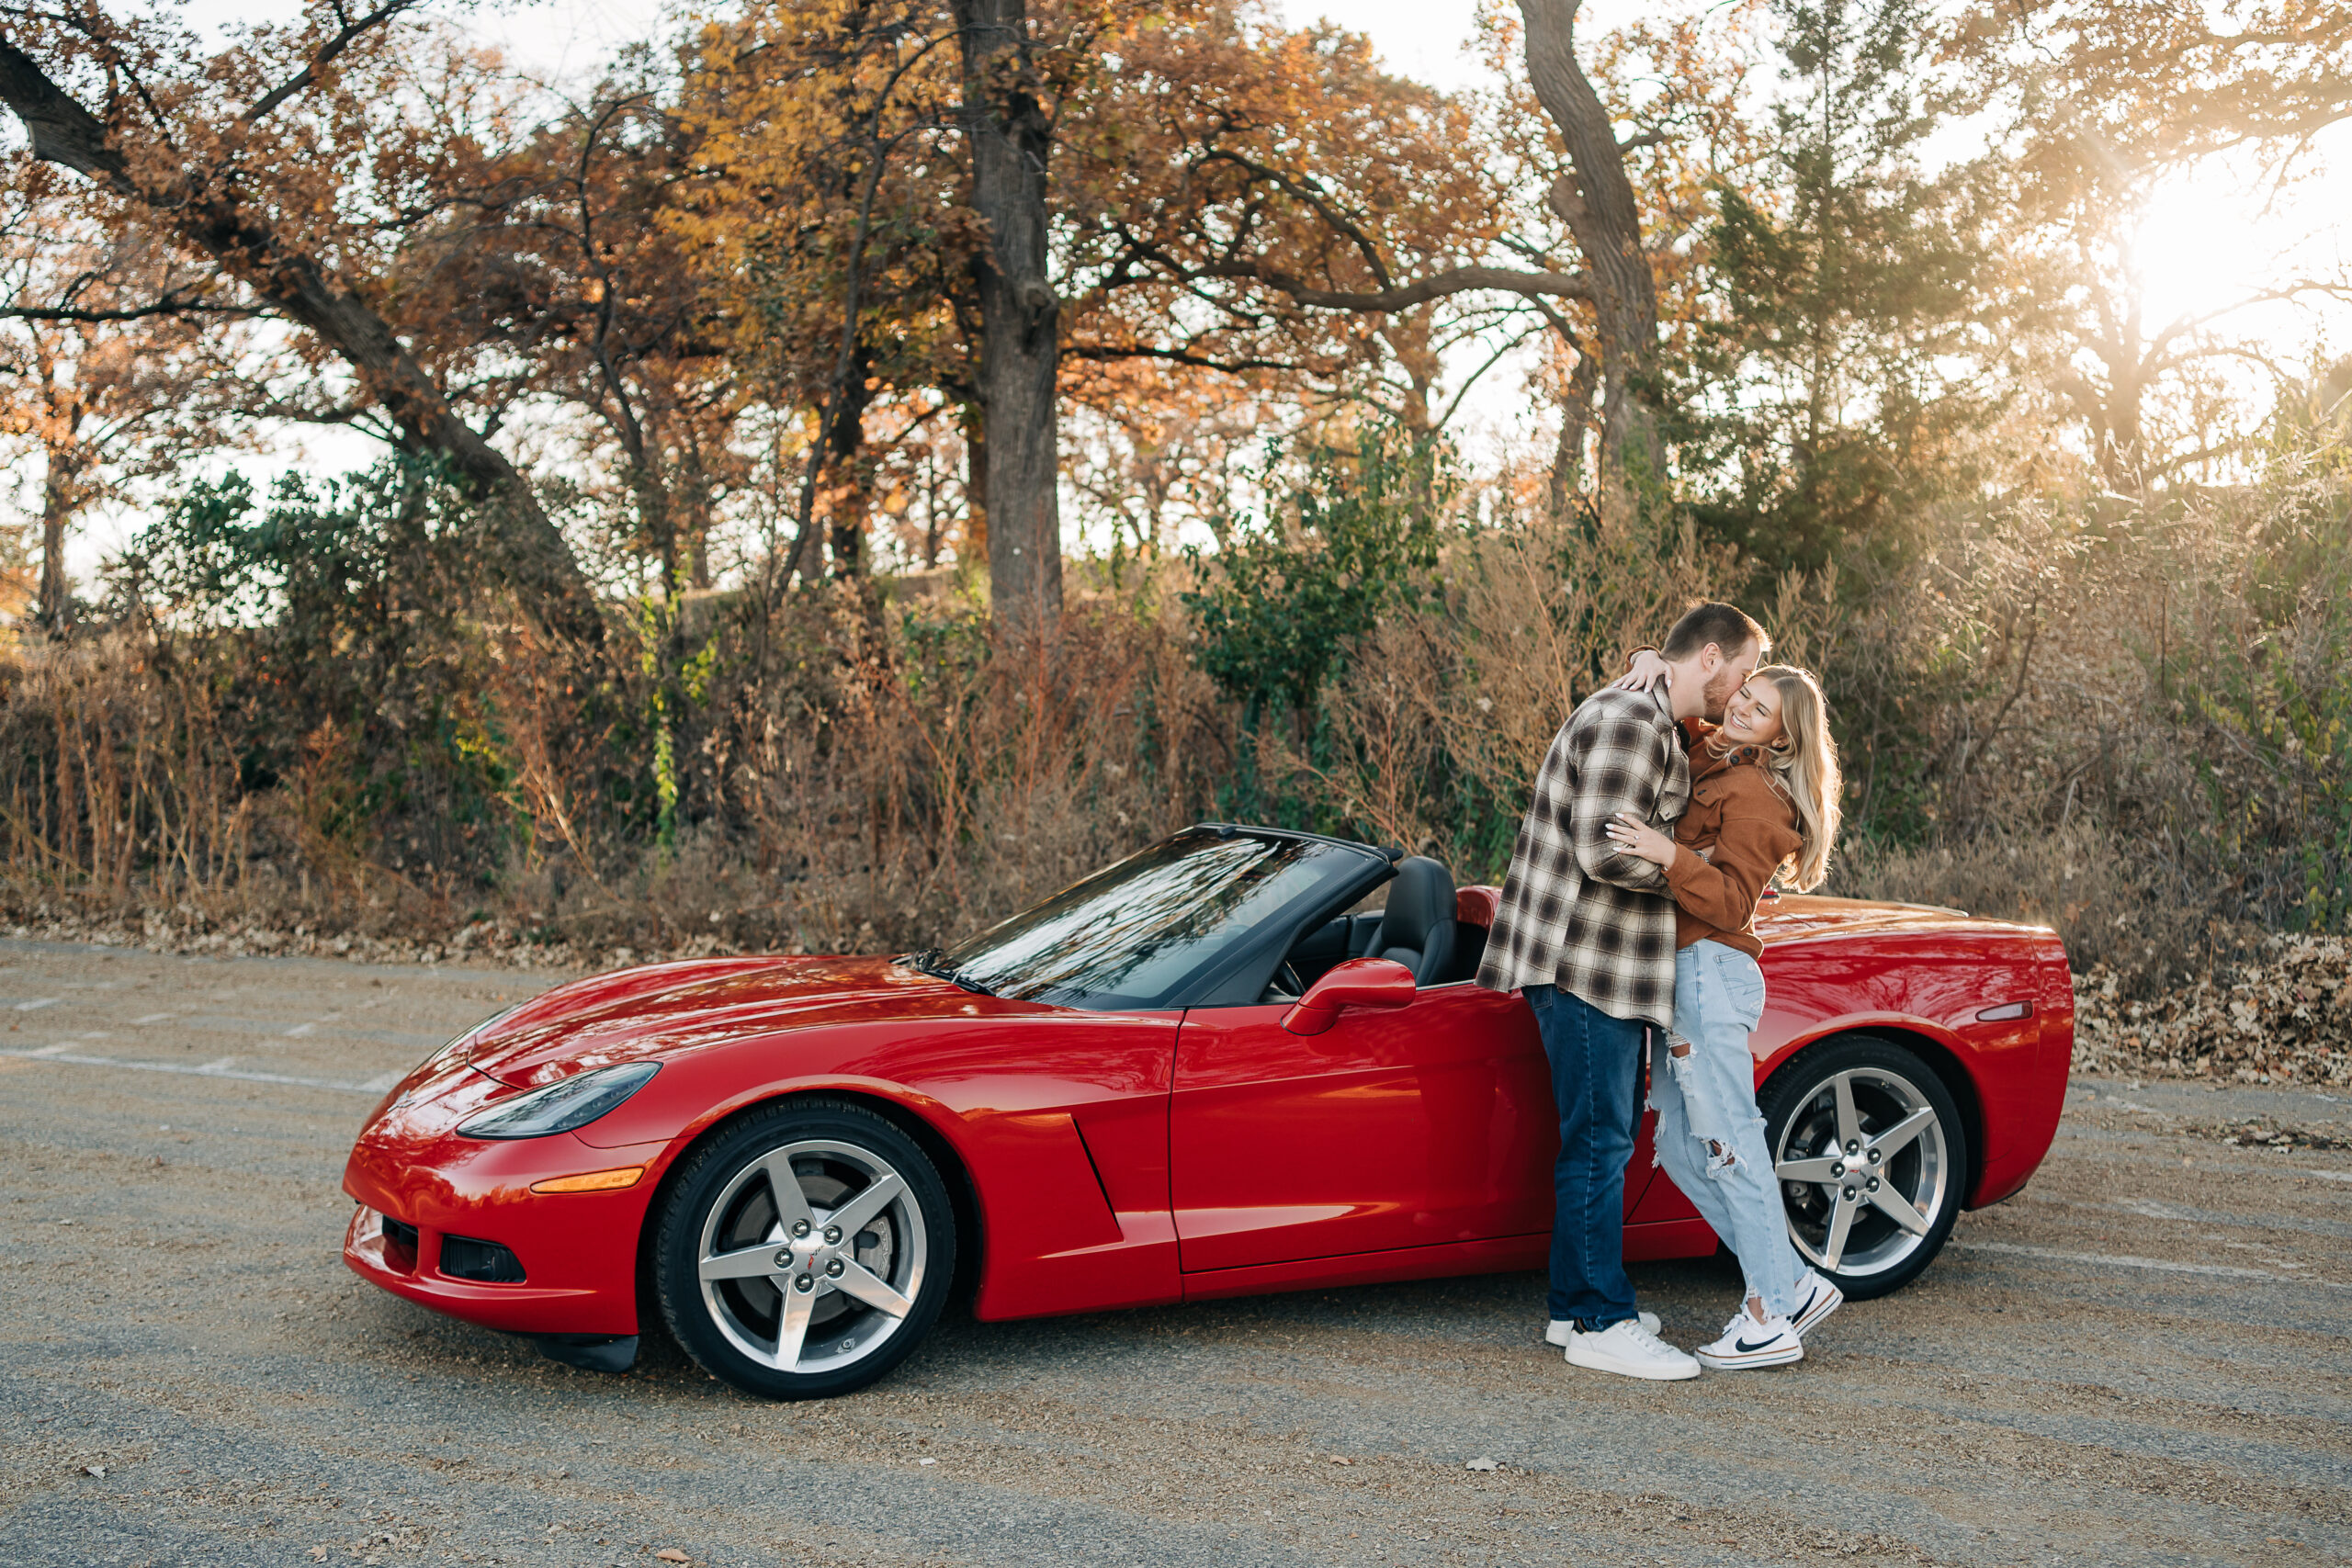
(1576, 912)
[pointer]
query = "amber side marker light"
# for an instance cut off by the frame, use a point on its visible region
(594, 1182)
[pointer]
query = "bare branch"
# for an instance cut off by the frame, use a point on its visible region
(1439, 285)
(1107, 351)
(126, 314)
(351, 32)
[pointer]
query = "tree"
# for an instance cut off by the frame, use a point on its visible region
(105, 367)
(2102, 104)
(563, 261)
(2150, 391)
(1842, 366)
(2158, 82)
(1596, 200)
(1680, 86)
(1225, 198)
(1009, 124)
(828, 208)
(271, 159)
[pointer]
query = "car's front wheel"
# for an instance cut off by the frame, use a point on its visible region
(1872, 1160)
(804, 1251)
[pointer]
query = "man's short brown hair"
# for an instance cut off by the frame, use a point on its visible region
(1726, 625)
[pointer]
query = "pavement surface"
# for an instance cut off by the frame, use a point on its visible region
(2142, 1360)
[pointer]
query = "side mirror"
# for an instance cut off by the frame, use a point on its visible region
(1359, 983)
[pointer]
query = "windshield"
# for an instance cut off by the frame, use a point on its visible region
(1139, 933)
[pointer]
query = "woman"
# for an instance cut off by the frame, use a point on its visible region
(1764, 789)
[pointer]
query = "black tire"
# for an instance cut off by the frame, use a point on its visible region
(724, 1204)
(1888, 1085)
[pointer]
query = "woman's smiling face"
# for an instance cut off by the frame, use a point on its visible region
(1752, 718)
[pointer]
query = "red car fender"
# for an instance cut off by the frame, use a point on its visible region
(1064, 1223)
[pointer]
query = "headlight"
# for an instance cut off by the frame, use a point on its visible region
(561, 1107)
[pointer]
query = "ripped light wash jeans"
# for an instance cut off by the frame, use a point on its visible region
(1710, 1135)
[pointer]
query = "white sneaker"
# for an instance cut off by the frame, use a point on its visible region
(1557, 1331)
(1747, 1343)
(1630, 1350)
(1817, 1298)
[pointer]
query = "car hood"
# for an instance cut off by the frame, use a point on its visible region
(665, 1008)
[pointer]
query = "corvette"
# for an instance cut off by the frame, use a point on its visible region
(1207, 1070)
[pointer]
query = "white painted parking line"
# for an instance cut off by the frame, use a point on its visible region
(38, 1003)
(195, 1072)
(2327, 1175)
(300, 1029)
(152, 1018)
(2120, 1261)
(58, 1049)
(222, 1065)
(383, 1081)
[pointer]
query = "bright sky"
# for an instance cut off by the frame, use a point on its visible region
(2198, 243)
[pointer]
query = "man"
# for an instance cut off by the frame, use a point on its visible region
(1588, 932)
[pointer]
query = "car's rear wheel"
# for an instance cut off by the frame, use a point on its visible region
(804, 1251)
(1872, 1159)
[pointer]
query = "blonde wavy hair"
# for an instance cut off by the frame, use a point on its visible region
(1803, 766)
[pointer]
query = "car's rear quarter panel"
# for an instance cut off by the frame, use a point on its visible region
(1929, 982)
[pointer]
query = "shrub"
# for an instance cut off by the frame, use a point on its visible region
(2134, 723)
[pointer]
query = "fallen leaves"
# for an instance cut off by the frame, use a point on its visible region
(671, 1554)
(2262, 1134)
(1483, 1463)
(2284, 1016)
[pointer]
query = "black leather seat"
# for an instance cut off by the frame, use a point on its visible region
(1417, 929)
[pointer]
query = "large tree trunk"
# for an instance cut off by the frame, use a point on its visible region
(538, 563)
(1576, 423)
(58, 504)
(849, 493)
(1010, 136)
(1597, 203)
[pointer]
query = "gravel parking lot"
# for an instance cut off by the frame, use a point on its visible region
(2140, 1359)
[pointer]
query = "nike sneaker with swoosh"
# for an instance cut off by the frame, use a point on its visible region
(1747, 1343)
(1817, 1298)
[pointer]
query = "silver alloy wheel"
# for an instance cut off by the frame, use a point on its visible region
(812, 1256)
(1865, 1171)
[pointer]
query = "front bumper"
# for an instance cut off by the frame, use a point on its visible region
(578, 1251)
(526, 1308)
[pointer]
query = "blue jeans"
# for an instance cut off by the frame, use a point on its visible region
(1710, 1134)
(1596, 1066)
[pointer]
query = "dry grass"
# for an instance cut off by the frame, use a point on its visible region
(2147, 744)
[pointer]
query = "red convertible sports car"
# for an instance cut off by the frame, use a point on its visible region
(1205, 1071)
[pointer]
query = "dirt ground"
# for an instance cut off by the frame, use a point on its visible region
(2142, 1360)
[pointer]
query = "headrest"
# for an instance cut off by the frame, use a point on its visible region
(1420, 897)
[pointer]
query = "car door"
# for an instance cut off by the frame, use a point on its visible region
(1427, 1124)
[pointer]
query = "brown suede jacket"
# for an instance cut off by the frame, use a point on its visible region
(1738, 831)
